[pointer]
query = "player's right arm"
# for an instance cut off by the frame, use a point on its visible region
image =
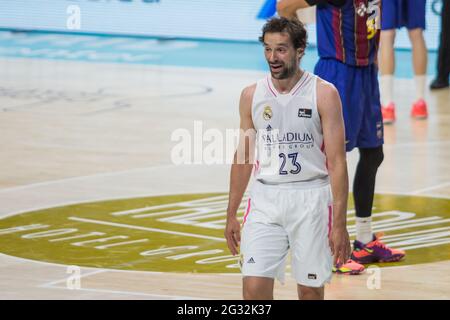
(288, 8)
(241, 169)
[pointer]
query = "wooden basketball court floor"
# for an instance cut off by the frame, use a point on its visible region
(73, 132)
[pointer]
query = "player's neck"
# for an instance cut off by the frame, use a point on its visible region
(285, 86)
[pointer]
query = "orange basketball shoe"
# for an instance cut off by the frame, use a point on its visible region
(419, 109)
(388, 113)
(375, 251)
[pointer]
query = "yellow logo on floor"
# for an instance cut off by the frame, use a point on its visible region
(184, 233)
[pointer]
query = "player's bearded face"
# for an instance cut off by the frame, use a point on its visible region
(280, 55)
(283, 69)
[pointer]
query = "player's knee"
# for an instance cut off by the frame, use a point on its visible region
(310, 293)
(378, 157)
(253, 293)
(257, 290)
(388, 37)
(415, 35)
(372, 157)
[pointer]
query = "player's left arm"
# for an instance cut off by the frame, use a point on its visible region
(288, 8)
(330, 110)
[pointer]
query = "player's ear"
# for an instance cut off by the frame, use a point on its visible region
(300, 53)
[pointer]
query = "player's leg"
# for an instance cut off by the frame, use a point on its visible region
(264, 243)
(387, 66)
(308, 223)
(387, 57)
(416, 25)
(370, 144)
(419, 108)
(363, 190)
(419, 49)
(264, 249)
(257, 288)
(310, 293)
(389, 22)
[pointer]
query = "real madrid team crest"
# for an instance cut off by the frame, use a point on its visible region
(267, 114)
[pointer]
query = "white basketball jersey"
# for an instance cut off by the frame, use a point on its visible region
(289, 145)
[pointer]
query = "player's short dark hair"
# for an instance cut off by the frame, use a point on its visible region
(293, 27)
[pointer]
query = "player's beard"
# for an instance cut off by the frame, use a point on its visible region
(287, 71)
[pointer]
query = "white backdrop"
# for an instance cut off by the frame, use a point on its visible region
(201, 19)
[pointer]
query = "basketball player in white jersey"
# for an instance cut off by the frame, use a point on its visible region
(298, 199)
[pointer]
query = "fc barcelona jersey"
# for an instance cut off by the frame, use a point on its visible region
(350, 33)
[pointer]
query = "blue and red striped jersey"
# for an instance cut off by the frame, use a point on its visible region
(350, 33)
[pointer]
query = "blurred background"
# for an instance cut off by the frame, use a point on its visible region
(216, 33)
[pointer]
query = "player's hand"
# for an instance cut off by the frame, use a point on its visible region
(233, 235)
(340, 244)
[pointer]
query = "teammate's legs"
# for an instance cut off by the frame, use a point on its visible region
(310, 293)
(420, 60)
(387, 57)
(420, 54)
(416, 25)
(257, 288)
(391, 20)
(370, 145)
(387, 67)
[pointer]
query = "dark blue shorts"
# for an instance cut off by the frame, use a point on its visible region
(360, 95)
(396, 14)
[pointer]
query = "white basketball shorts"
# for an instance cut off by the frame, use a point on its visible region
(283, 217)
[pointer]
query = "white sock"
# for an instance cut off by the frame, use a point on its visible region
(420, 82)
(387, 87)
(364, 229)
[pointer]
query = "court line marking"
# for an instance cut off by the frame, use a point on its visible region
(432, 143)
(129, 293)
(97, 175)
(130, 226)
(52, 285)
(206, 90)
(109, 174)
(59, 265)
(81, 276)
(438, 186)
(97, 270)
